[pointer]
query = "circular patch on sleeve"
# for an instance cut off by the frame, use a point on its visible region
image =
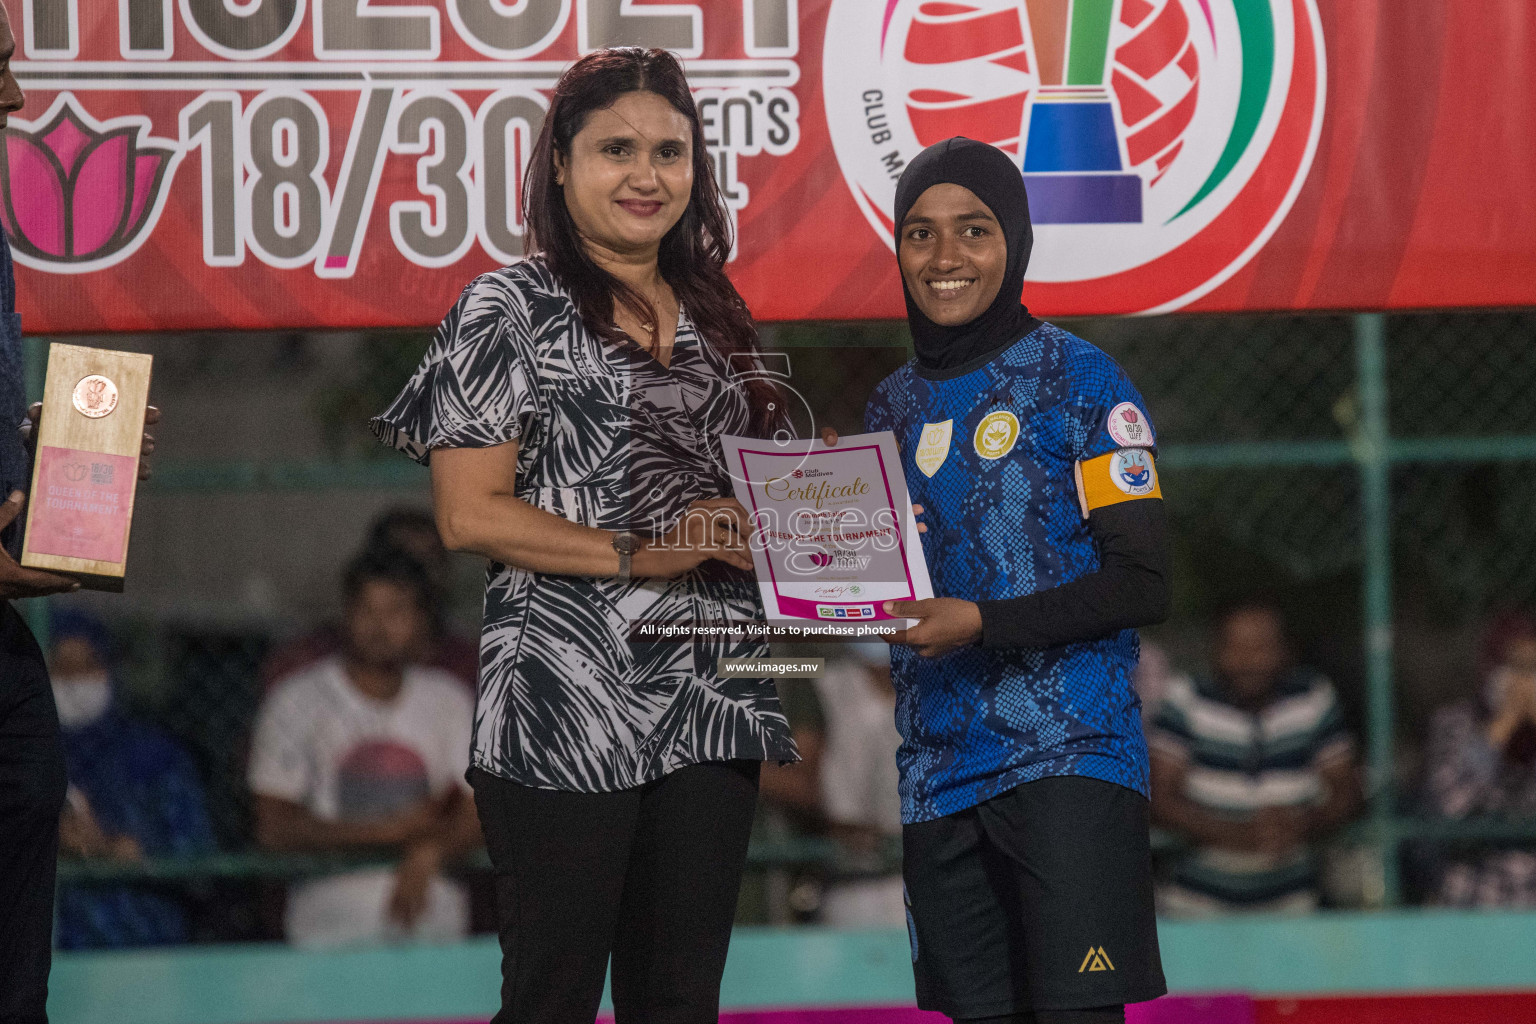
(1132, 471)
(1129, 427)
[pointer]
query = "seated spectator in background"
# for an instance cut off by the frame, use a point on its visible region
(133, 793)
(788, 810)
(1481, 759)
(859, 785)
(365, 751)
(1153, 674)
(789, 795)
(412, 532)
(844, 787)
(1251, 765)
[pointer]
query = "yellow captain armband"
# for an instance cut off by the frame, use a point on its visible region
(1124, 475)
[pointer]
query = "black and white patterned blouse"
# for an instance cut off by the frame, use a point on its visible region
(609, 438)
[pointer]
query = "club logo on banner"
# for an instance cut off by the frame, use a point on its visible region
(1162, 142)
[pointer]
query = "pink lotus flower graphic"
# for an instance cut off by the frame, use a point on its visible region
(80, 194)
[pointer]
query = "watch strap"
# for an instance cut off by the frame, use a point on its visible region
(625, 543)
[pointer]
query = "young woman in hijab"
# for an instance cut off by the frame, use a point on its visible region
(1024, 784)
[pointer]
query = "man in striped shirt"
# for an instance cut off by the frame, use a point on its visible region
(1251, 766)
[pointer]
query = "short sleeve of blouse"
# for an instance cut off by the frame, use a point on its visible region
(475, 386)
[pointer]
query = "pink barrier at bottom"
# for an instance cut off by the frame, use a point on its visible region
(847, 1015)
(1225, 1009)
(1438, 1008)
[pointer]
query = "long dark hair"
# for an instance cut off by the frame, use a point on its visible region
(693, 254)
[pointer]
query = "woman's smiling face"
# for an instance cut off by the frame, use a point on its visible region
(629, 173)
(952, 254)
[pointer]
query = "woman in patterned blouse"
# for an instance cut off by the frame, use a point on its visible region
(571, 406)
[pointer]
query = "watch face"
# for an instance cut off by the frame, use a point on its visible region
(625, 543)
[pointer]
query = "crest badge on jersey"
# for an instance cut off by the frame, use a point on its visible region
(1132, 471)
(996, 434)
(933, 446)
(1129, 427)
(1161, 142)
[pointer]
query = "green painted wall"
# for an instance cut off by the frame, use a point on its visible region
(1329, 953)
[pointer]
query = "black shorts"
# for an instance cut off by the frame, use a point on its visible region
(1038, 899)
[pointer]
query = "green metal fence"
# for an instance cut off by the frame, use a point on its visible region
(1337, 458)
(1343, 457)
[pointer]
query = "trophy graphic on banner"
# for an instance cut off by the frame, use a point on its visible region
(1072, 163)
(87, 467)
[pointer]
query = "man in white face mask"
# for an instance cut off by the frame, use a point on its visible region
(82, 687)
(133, 793)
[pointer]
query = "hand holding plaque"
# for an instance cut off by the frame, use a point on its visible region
(16, 582)
(151, 417)
(89, 441)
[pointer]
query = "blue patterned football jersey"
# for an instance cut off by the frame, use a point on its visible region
(990, 456)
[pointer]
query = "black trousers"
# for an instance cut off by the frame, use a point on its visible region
(1037, 900)
(649, 875)
(32, 784)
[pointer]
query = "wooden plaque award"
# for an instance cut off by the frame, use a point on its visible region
(86, 467)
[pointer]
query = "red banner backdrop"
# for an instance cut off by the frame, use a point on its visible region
(204, 164)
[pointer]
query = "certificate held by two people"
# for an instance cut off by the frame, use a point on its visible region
(836, 537)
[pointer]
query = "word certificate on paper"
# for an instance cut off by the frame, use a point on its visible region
(835, 535)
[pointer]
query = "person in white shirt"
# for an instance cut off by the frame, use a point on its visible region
(363, 751)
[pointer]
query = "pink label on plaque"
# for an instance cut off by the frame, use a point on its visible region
(82, 504)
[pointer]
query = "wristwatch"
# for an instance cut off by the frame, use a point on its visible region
(626, 544)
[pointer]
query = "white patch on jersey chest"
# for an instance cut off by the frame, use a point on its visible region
(933, 446)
